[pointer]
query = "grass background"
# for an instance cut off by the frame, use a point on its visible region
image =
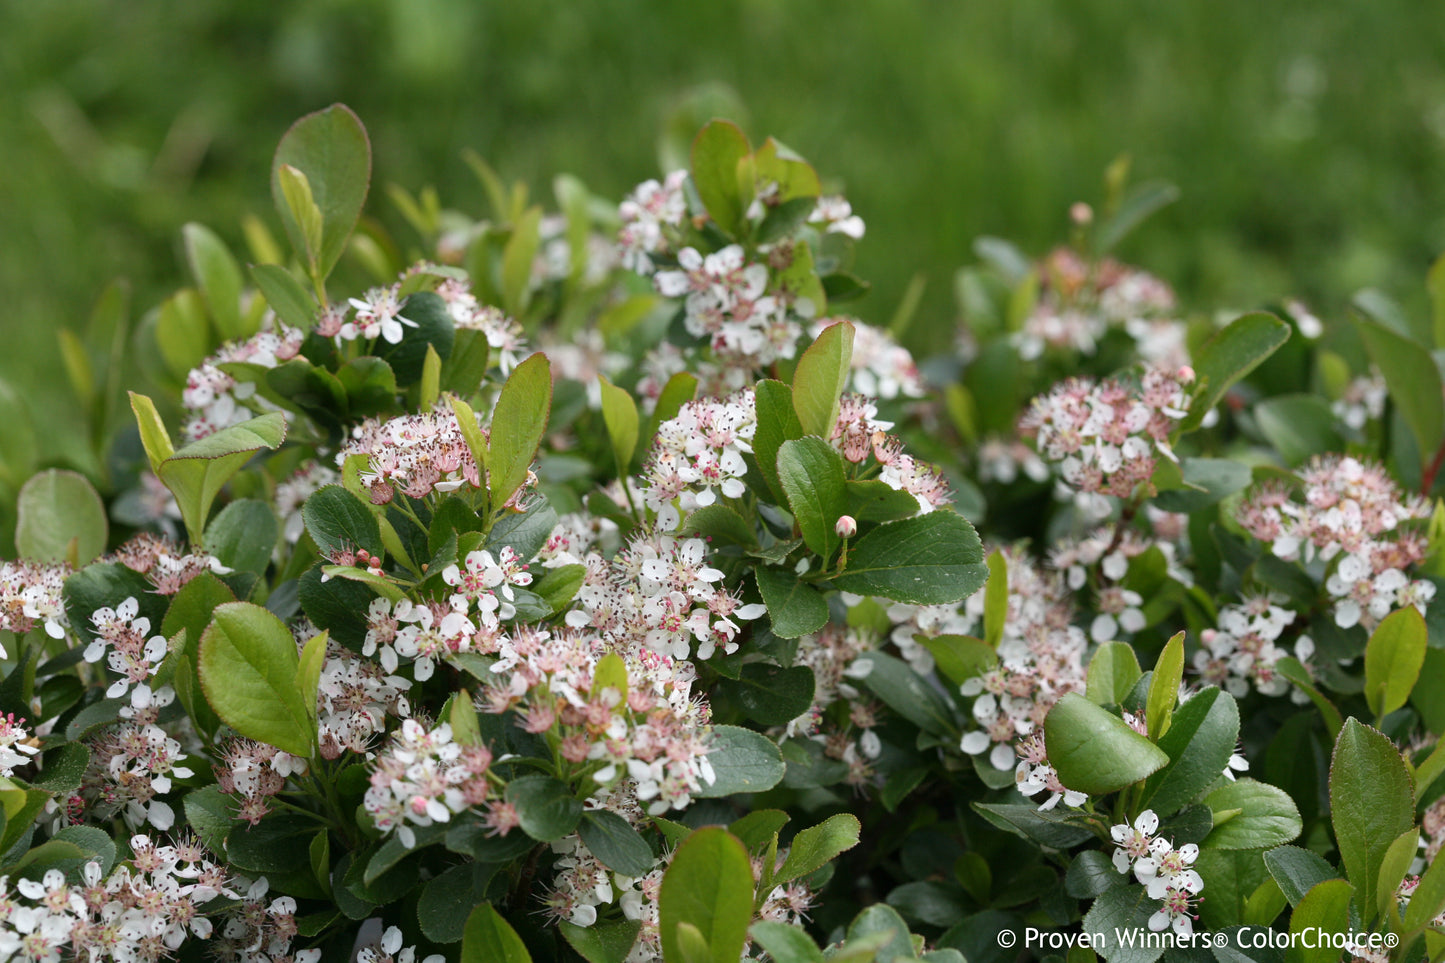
(1308, 137)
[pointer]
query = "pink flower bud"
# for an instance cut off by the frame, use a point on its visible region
(847, 526)
(1081, 213)
(1185, 374)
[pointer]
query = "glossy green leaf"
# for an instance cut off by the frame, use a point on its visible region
(743, 761)
(1265, 816)
(777, 423)
(619, 413)
(1326, 907)
(1393, 659)
(1231, 355)
(331, 149)
(1413, 379)
(709, 885)
(821, 377)
(1113, 671)
(1371, 802)
(219, 278)
(196, 473)
(795, 607)
(338, 521)
(243, 535)
(812, 476)
(615, 843)
(1094, 751)
(488, 938)
(1297, 871)
(1164, 686)
(715, 155)
(930, 559)
(1199, 744)
(518, 422)
(60, 517)
(546, 808)
(248, 666)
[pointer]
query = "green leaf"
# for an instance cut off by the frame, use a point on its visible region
(812, 476)
(715, 155)
(1113, 671)
(772, 695)
(995, 599)
(722, 524)
(181, 332)
(285, 295)
(153, 434)
(959, 657)
(518, 422)
(434, 329)
(1393, 659)
(709, 885)
(559, 586)
(338, 521)
(1199, 744)
(446, 900)
(795, 607)
(1091, 874)
(905, 692)
(887, 931)
(619, 413)
(196, 473)
(743, 761)
(820, 378)
(243, 536)
(1123, 909)
(331, 149)
(1267, 816)
(297, 199)
(308, 671)
(1138, 204)
(19, 450)
(602, 942)
(1413, 379)
(1094, 751)
(930, 559)
(60, 517)
(1428, 900)
(1231, 355)
(518, 256)
(1326, 907)
(1164, 686)
(219, 277)
(615, 843)
(777, 422)
(488, 938)
(818, 845)
(872, 500)
(1293, 670)
(1298, 426)
(546, 808)
(759, 828)
(65, 767)
(1371, 802)
(1207, 481)
(526, 533)
(1396, 864)
(784, 943)
(1297, 871)
(248, 666)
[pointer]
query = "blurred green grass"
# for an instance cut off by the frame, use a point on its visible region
(1308, 138)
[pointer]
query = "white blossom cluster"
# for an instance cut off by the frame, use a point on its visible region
(1166, 872)
(213, 398)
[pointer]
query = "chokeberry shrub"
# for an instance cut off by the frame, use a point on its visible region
(591, 585)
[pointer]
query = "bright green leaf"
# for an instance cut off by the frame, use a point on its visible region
(1094, 751)
(518, 422)
(248, 666)
(55, 509)
(820, 378)
(709, 885)
(330, 148)
(1393, 659)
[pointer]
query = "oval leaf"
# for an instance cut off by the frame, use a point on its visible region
(248, 665)
(1094, 751)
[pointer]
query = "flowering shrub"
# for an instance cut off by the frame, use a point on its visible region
(591, 587)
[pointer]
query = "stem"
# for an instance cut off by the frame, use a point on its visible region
(1125, 517)
(1427, 482)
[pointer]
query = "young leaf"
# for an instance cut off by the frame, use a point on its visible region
(709, 885)
(1266, 816)
(812, 476)
(1428, 900)
(1393, 659)
(777, 423)
(488, 938)
(1392, 872)
(285, 295)
(308, 670)
(1371, 802)
(517, 259)
(1164, 686)
(60, 517)
(219, 277)
(518, 422)
(784, 943)
(1199, 744)
(153, 434)
(1113, 671)
(196, 473)
(1231, 355)
(1413, 379)
(930, 559)
(619, 413)
(330, 149)
(1094, 751)
(715, 155)
(602, 942)
(995, 599)
(820, 378)
(818, 845)
(248, 666)
(1325, 909)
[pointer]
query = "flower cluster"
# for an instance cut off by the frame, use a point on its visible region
(857, 433)
(696, 452)
(121, 639)
(1166, 872)
(1353, 514)
(257, 931)
(423, 777)
(165, 564)
(1363, 400)
(292, 493)
(834, 656)
(354, 696)
(214, 399)
(16, 744)
(646, 215)
(1242, 652)
(1107, 437)
(30, 597)
(139, 913)
(256, 772)
(389, 949)
(132, 762)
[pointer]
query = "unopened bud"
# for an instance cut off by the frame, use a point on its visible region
(847, 526)
(1185, 374)
(1081, 213)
